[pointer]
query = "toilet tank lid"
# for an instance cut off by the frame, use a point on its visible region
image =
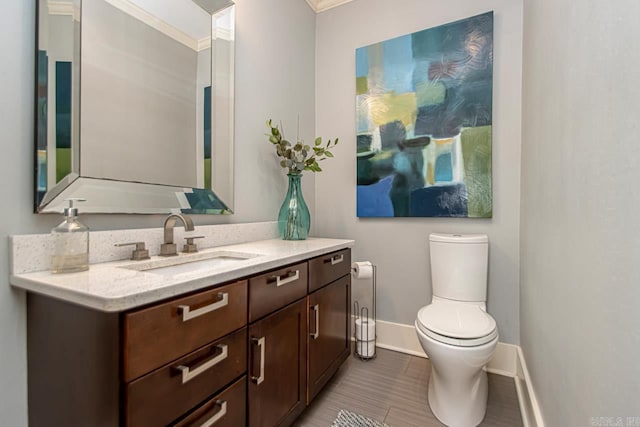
(458, 238)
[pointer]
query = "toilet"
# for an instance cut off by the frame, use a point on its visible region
(455, 330)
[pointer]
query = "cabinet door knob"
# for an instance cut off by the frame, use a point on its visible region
(188, 374)
(261, 343)
(291, 276)
(187, 314)
(337, 259)
(218, 415)
(316, 334)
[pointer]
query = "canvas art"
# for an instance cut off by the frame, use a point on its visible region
(424, 121)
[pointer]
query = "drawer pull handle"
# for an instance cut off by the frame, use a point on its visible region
(221, 413)
(261, 343)
(188, 374)
(187, 314)
(316, 334)
(288, 278)
(335, 259)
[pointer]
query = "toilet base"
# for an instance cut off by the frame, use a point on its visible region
(458, 385)
(458, 408)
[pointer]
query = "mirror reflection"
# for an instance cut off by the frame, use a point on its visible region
(145, 106)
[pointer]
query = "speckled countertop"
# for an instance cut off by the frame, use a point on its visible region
(110, 287)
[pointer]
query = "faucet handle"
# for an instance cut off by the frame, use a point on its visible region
(191, 247)
(139, 253)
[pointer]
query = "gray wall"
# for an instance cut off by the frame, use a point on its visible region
(400, 246)
(138, 100)
(274, 77)
(580, 245)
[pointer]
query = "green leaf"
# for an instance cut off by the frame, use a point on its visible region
(306, 148)
(336, 143)
(297, 147)
(328, 153)
(273, 139)
(288, 153)
(283, 163)
(318, 141)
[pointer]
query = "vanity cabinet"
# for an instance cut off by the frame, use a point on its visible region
(146, 367)
(252, 352)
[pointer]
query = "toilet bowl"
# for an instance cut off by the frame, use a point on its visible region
(458, 388)
(455, 330)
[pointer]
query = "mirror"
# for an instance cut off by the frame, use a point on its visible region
(135, 103)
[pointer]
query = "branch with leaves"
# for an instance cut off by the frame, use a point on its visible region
(299, 156)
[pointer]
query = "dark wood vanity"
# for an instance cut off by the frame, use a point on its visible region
(253, 352)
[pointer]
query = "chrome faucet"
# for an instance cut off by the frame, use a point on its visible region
(168, 248)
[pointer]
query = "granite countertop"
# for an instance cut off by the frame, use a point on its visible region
(110, 287)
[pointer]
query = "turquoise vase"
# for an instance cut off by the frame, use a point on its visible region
(294, 219)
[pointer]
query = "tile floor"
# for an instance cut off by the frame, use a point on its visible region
(393, 388)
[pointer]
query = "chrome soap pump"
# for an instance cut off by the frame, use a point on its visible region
(70, 243)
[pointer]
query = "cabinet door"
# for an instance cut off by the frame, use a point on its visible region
(329, 337)
(277, 367)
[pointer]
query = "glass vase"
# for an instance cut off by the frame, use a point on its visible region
(294, 219)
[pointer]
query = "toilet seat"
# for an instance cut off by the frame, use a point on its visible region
(457, 323)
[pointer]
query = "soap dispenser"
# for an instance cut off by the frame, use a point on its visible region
(70, 243)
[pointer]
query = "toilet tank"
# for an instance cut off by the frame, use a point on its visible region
(459, 266)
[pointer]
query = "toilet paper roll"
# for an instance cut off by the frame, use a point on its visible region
(366, 348)
(365, 329)
(362, 270)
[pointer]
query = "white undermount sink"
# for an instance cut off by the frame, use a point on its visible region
(183, 263)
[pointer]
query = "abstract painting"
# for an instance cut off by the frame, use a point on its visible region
(424, 122)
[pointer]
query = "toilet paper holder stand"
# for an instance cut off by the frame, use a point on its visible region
(365, 348)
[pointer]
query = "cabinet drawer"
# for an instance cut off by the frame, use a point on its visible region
(272, 291)
(327, 268)
(166, 393)
(157, 335)
(228, 409)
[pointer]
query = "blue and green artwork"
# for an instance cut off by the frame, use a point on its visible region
(424, 122)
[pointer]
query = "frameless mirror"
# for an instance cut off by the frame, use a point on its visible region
(135, 105)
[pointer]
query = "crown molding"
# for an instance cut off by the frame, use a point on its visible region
(322, 5)
(63, 8)
(167, 29)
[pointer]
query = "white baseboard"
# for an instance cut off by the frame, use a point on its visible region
(398, 337)
(508, 360)
(531, 413)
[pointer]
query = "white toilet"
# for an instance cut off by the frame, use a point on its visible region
(455, 330)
